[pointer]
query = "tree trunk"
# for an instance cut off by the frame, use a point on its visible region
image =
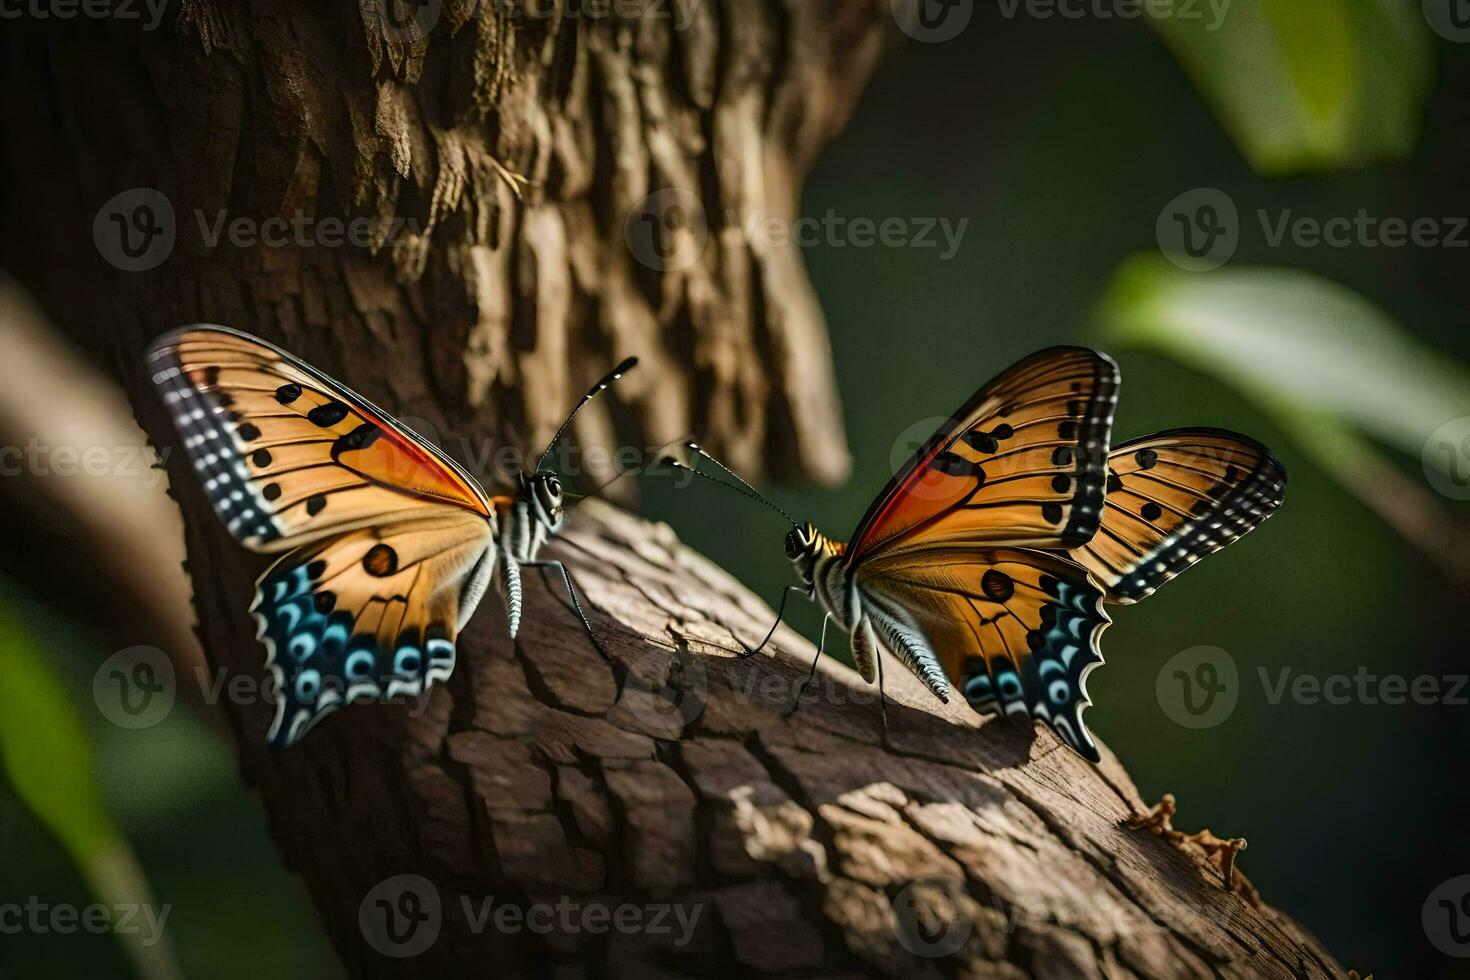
(536, 196)
(656, 814)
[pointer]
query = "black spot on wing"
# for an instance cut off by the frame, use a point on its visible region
(327, 414)
(953, 464)
(380, 561)
(359, 438)
(997, 585)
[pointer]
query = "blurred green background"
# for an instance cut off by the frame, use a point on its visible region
(1061, 141)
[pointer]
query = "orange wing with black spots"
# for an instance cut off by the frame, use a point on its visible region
(1021, 464)
(286, 454)
(1173, 498)
(390, 543)
(1015, 630)
(370, 614)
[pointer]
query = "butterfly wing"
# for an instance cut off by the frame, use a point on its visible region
(1022, 464)
(1016, 630)
(1174, 497)
(390, 543)
(369, 614)
(286, 454)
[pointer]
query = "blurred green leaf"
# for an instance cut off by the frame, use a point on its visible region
(47, 755)
(1293, 341)
(1324, 362)
(1307, 85)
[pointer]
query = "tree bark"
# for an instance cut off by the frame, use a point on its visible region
(540, 775)
(515, 173)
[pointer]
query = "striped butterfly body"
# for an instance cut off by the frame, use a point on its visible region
(387, 544)
(985, 563)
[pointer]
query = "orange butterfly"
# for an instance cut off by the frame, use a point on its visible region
(390, 544)
(986, 560)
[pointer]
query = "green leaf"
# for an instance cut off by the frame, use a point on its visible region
(1326, 364)
(48, 758)
(1306, 85)
(1291, 340)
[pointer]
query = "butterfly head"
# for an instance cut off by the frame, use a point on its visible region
(543, 492)
(804, 545)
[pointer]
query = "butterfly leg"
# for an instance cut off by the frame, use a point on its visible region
(882, 698)
(780, 614)
(801, 688)
(566, 577)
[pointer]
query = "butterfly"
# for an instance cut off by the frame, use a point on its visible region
(985, 563)
(389, 545)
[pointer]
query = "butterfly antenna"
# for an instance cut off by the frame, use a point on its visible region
(742, 488)
(750, 490)
(695, 448)
(630, 471)
(745, 490)
(601, 386)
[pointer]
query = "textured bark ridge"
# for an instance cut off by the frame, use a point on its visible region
(543, 775)
(542, 188)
